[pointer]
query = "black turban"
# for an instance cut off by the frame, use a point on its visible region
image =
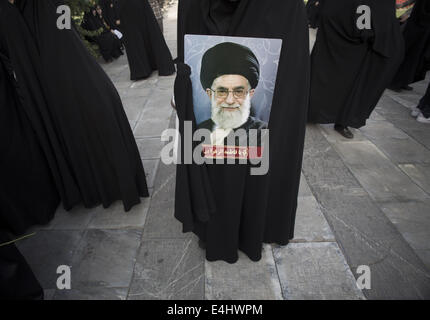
(229, 58)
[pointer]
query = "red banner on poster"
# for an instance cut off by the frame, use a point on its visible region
(232, 152)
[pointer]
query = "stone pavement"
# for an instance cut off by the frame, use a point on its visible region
(362, 202)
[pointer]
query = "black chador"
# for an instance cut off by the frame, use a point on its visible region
(28, 194)
(109, 44)
(86, 112)
(145, 45)
(227, 207)
(417, 44)
(313, 8)
(352, 66)
(110, 14)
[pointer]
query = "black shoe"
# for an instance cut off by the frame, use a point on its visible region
(344, 131)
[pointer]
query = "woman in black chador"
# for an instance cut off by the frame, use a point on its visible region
(108, 42)
(352, 66)
(417, 43)
(144, 42)
(99, 159)
(223, 204)
(28, 193)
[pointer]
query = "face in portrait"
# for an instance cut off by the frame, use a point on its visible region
(230, 96)
(229, 75)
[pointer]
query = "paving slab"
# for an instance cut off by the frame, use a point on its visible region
(165, 184)
(315, 271)
(133, 107)
(311, 225)
(364, 233)
(393, 107)
(396, 108)
(168, 269)
(323, 168)
(47, 250)
(105, 258)
(416, 130)
(91, 293)
(150, 148)
(375, 116)
(377, 174)
(424, 254)
(160, 113)
(150, 127)
(304, 190)
(419, 173)
(407, 100)
(159, 105)
(395, 143)
(117, 218)
(150, 167)
(161, 224)
(137, 90)
(412, 219)
(244, 280)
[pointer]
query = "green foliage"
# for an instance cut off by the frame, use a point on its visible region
(78, 9)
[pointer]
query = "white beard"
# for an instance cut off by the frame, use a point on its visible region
(231, 119)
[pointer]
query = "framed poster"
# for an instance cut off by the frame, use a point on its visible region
(233, 80)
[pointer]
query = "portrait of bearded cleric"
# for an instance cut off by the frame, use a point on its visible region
(229, 74)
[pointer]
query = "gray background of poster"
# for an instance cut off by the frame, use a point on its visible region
(266, 50)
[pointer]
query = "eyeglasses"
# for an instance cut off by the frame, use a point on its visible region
(223, 93)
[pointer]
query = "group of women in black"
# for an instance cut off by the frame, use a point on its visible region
(143, 39)
(65, 135)
(351, 67)
(108, 42)
(67, 138)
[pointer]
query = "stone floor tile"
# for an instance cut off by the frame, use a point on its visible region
(133, 107)
(396, 144)
(311, 225)
(105, 258)
(151, 167)
(304, 190)
(419, 173)
(161, 224)
(315, 271)
(47, 250)
(150, 127)
(115, 217)
(150, 148)
(168, 269)
(92, 293)
(377, 174)
(413, 221)
(244, 280)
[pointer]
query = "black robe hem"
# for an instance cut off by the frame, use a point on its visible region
(106, 205)
(235, 258)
